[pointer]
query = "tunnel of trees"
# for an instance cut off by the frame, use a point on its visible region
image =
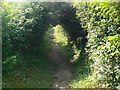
(92, 27)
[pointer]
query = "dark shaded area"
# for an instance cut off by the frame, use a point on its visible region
(76, 32)
(65, 14)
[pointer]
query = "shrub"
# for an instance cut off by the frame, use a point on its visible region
(101, 20)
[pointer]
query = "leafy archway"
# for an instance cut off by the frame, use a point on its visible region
(24, 31)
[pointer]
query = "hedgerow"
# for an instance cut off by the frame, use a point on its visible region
(101, 20)
(22, 28)
(93, 32)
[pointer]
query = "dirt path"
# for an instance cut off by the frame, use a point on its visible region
(63, 73)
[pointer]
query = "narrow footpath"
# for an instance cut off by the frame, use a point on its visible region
(64, 69)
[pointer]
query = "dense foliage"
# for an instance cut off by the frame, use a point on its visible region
(102, 22)
(21, 27)
(91, 30)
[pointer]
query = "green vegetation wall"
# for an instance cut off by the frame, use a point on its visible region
(94, 27)
(102, 22)
(23, 25)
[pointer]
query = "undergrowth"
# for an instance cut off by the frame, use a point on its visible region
(34, 72)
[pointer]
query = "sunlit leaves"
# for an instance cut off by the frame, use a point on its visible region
(60, 35)
(111, 38)
(101, 21)
(20, 21)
